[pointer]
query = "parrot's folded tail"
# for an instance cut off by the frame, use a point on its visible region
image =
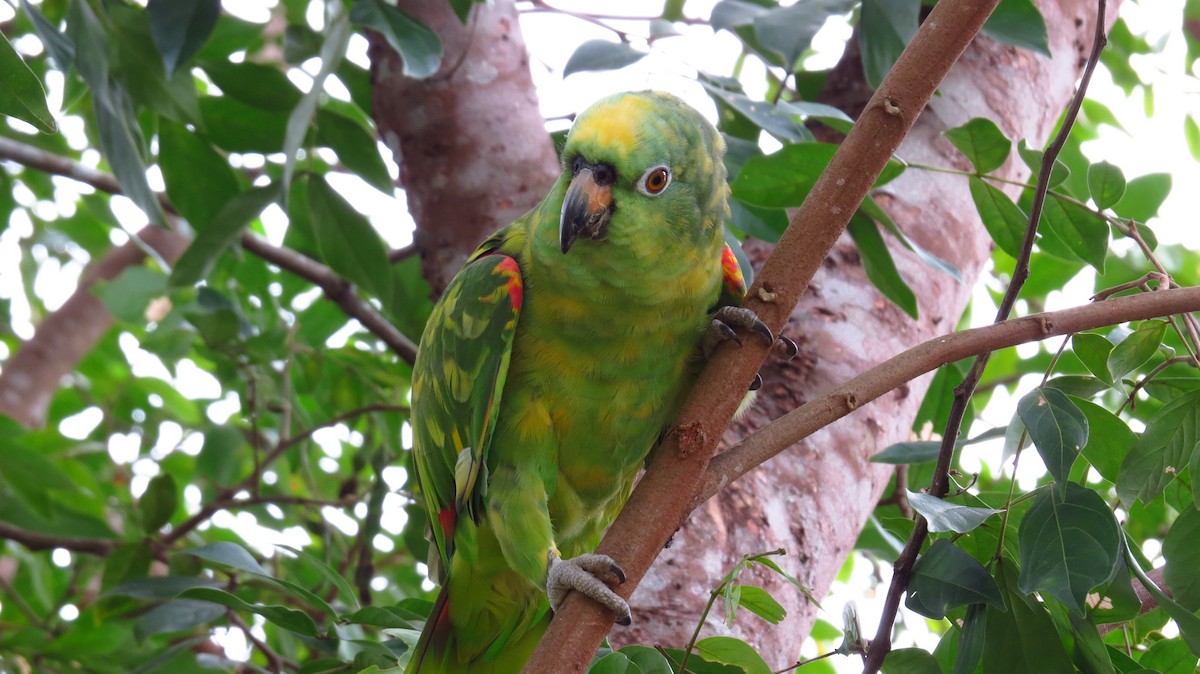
(431, 649)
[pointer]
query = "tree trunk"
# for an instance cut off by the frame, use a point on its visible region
(471, 144)
(460, 174)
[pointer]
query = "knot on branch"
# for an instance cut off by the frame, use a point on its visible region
(691, 437)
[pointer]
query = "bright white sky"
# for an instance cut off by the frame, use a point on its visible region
(1145, 146)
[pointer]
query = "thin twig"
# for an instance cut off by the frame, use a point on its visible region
(275, 662)
(226, 497)
(38, 541)
(882, 644)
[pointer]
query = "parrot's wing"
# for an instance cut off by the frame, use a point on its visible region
(733, 284)
(457, 386)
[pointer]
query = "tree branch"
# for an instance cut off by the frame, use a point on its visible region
(336, 288)
(32, 375)
(39, 541)
(658, 505)
(926, 357)
(881, 645)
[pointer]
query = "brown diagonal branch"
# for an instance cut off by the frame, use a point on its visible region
(30, 378)
(926, 357)
(659, 504)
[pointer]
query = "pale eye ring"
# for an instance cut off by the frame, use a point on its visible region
(655, 180)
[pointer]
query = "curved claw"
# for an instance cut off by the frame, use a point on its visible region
(757, 383)
(588, 575)
(784, 349)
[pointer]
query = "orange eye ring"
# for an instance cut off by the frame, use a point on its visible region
(655, 180)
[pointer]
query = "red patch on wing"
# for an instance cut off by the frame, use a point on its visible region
(447, 517)
(514, 286)
(732, 271)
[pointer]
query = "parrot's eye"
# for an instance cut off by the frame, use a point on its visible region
(655, 180)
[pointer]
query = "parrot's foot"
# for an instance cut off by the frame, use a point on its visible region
(588, 575)
(721, 329)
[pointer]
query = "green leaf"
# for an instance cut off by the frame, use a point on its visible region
(159, 587)
(346, 594)
(944, 516)
(915, 451)
(1069, 542)
(288, 618)
(120, 137)
(234, 126)
(1137, 348)
(333, 52)
(601, 55)
(1002, 218)
(971, 642)
(347, 242)
(127, 296)
(788, 31)
(1093, 351)
(1083, 232)
(1033, 159)
(61, 48)
(264, 87)
(777, 120)
(946, 577)
(222, 231)
(1162, 451)
(1106, 182)
(879, 266)
(731, 651)
(419, 47)
(229, 554)
(181, 27)
(1181, 547)
(1109, 439)
(648, 660)
(355, 148)
(33, 475)
(1056, 426)
(872, 210)
(982, 142)
(1023, 639)
(159, 502)
(1080, 386)
(220, 454)
(199, 180)
(910, 661)
(1143, 196)
(175, 616)
(1118, 601)
(1169, 656)
(389, 616)
(1191, 132)
(21, 93)
(885, 27)
(760, 602)
(764, 224)
(614, 663)
(1187, 621)
(1018, 23)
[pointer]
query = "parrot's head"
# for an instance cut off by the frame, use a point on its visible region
(642, 169)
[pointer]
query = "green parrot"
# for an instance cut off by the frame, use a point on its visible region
(552, 364)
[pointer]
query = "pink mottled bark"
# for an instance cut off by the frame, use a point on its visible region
(470, 141)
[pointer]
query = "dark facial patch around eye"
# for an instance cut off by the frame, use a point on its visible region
(605, 174)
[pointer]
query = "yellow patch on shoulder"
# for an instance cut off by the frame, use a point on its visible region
(614, 123)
